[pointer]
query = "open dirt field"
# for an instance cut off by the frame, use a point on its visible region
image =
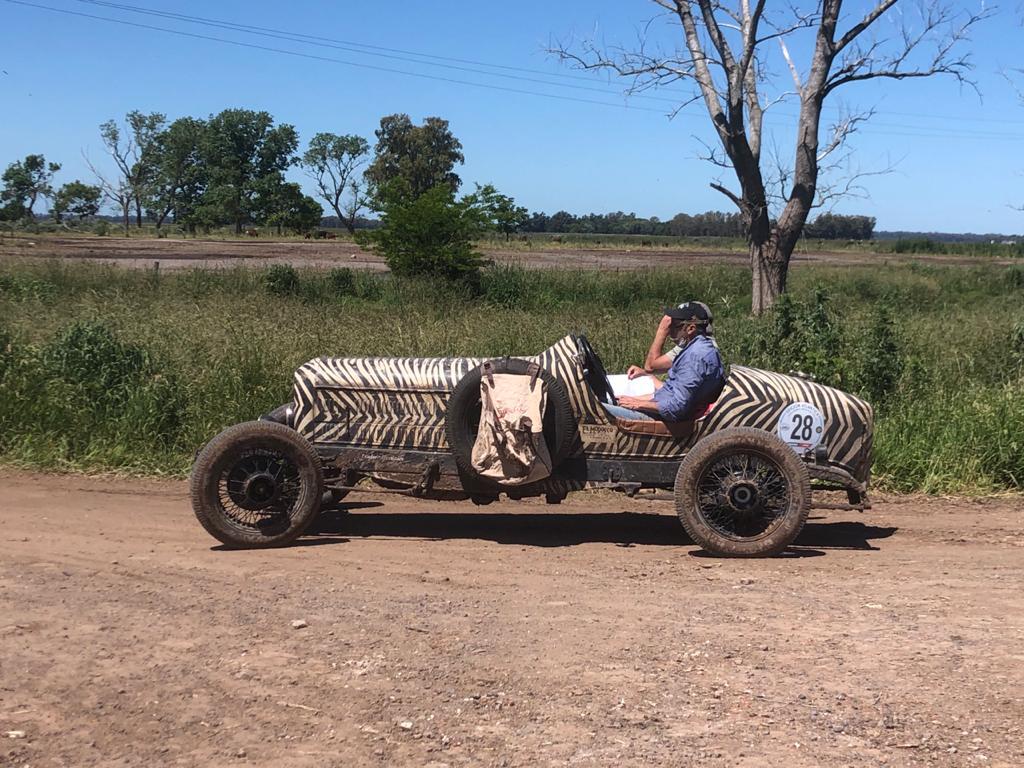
(177, 254)
(511, 635)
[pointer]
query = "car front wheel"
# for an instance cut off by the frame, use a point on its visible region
(743, 492)
(257, 484)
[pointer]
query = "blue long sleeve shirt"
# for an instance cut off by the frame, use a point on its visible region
(695, 379)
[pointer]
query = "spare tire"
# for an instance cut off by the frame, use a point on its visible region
(463, 417)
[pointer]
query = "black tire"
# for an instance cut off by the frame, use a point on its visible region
(463, 416)
(257, 484)
(743, 492)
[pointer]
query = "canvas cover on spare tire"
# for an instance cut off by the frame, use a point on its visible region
(510, 446)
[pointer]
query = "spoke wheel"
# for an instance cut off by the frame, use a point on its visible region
(257, 484)
(742, 492)
(743, 495)
(261, 489)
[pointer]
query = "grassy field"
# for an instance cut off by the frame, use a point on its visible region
(102, 368)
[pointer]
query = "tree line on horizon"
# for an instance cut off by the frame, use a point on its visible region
(827, 226)
(229, 169)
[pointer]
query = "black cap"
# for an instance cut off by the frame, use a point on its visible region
(691, 311)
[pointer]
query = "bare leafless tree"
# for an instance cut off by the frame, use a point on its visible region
(134, 152)
(725, 57)
(118, 191)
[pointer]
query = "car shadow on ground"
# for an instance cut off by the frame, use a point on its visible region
(560, 530)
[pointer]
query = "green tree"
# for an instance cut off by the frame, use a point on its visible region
(240, 148)
(424, 156)
(76, 200)
(282, 205)
(499, 211)
(431, 234)
(179, 177)
(333, 162)
(25, 181)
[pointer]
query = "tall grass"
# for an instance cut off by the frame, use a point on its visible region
(102, 368)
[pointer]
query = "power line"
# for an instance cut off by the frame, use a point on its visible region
(318, 38)
(356, 47)
(286, 52)
(907, 131)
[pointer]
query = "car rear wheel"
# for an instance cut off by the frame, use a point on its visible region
(257, 484)
(743, 493)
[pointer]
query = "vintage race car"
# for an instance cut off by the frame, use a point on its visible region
(742, 473)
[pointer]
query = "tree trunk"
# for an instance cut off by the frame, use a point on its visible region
(769, 266)
(138, 214)
(126, 210)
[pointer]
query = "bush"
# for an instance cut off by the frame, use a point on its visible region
(342, 281)
(88, 358)
(281, 280)
(881, 361)
(101, 228)
(88, 399)
(430, 235)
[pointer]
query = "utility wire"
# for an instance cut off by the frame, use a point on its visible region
(349, 48)
(315, 57)
(356, 47)
(355, 44)
(871, 127)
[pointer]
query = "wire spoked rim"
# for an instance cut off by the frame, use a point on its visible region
(743, 495)
(259, 489)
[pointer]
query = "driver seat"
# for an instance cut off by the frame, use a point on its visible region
(677, 429)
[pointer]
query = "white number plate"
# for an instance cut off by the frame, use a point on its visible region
(801, 426)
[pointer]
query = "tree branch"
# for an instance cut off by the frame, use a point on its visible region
(731, 195)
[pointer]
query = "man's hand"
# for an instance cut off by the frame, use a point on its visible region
(636, 403)
(665, 324)
(635, 372)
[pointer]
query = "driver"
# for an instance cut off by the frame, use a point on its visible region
(695, 372)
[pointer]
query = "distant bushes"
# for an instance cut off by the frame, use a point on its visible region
(925, 245)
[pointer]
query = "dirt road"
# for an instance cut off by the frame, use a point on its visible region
(510, 635)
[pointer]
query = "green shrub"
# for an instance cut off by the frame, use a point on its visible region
(342, 281)
(281, 280)
(88, 358)
(881, 362)
(101, 228)
(430, 235)
(23, 288)
(87, 399)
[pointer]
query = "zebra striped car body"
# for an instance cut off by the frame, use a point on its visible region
(391, 409)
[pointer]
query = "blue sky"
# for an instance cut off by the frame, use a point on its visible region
(959, 160)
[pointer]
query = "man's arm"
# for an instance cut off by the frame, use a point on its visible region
(656, 361)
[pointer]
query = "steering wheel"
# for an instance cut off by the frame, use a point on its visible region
(593, 370)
